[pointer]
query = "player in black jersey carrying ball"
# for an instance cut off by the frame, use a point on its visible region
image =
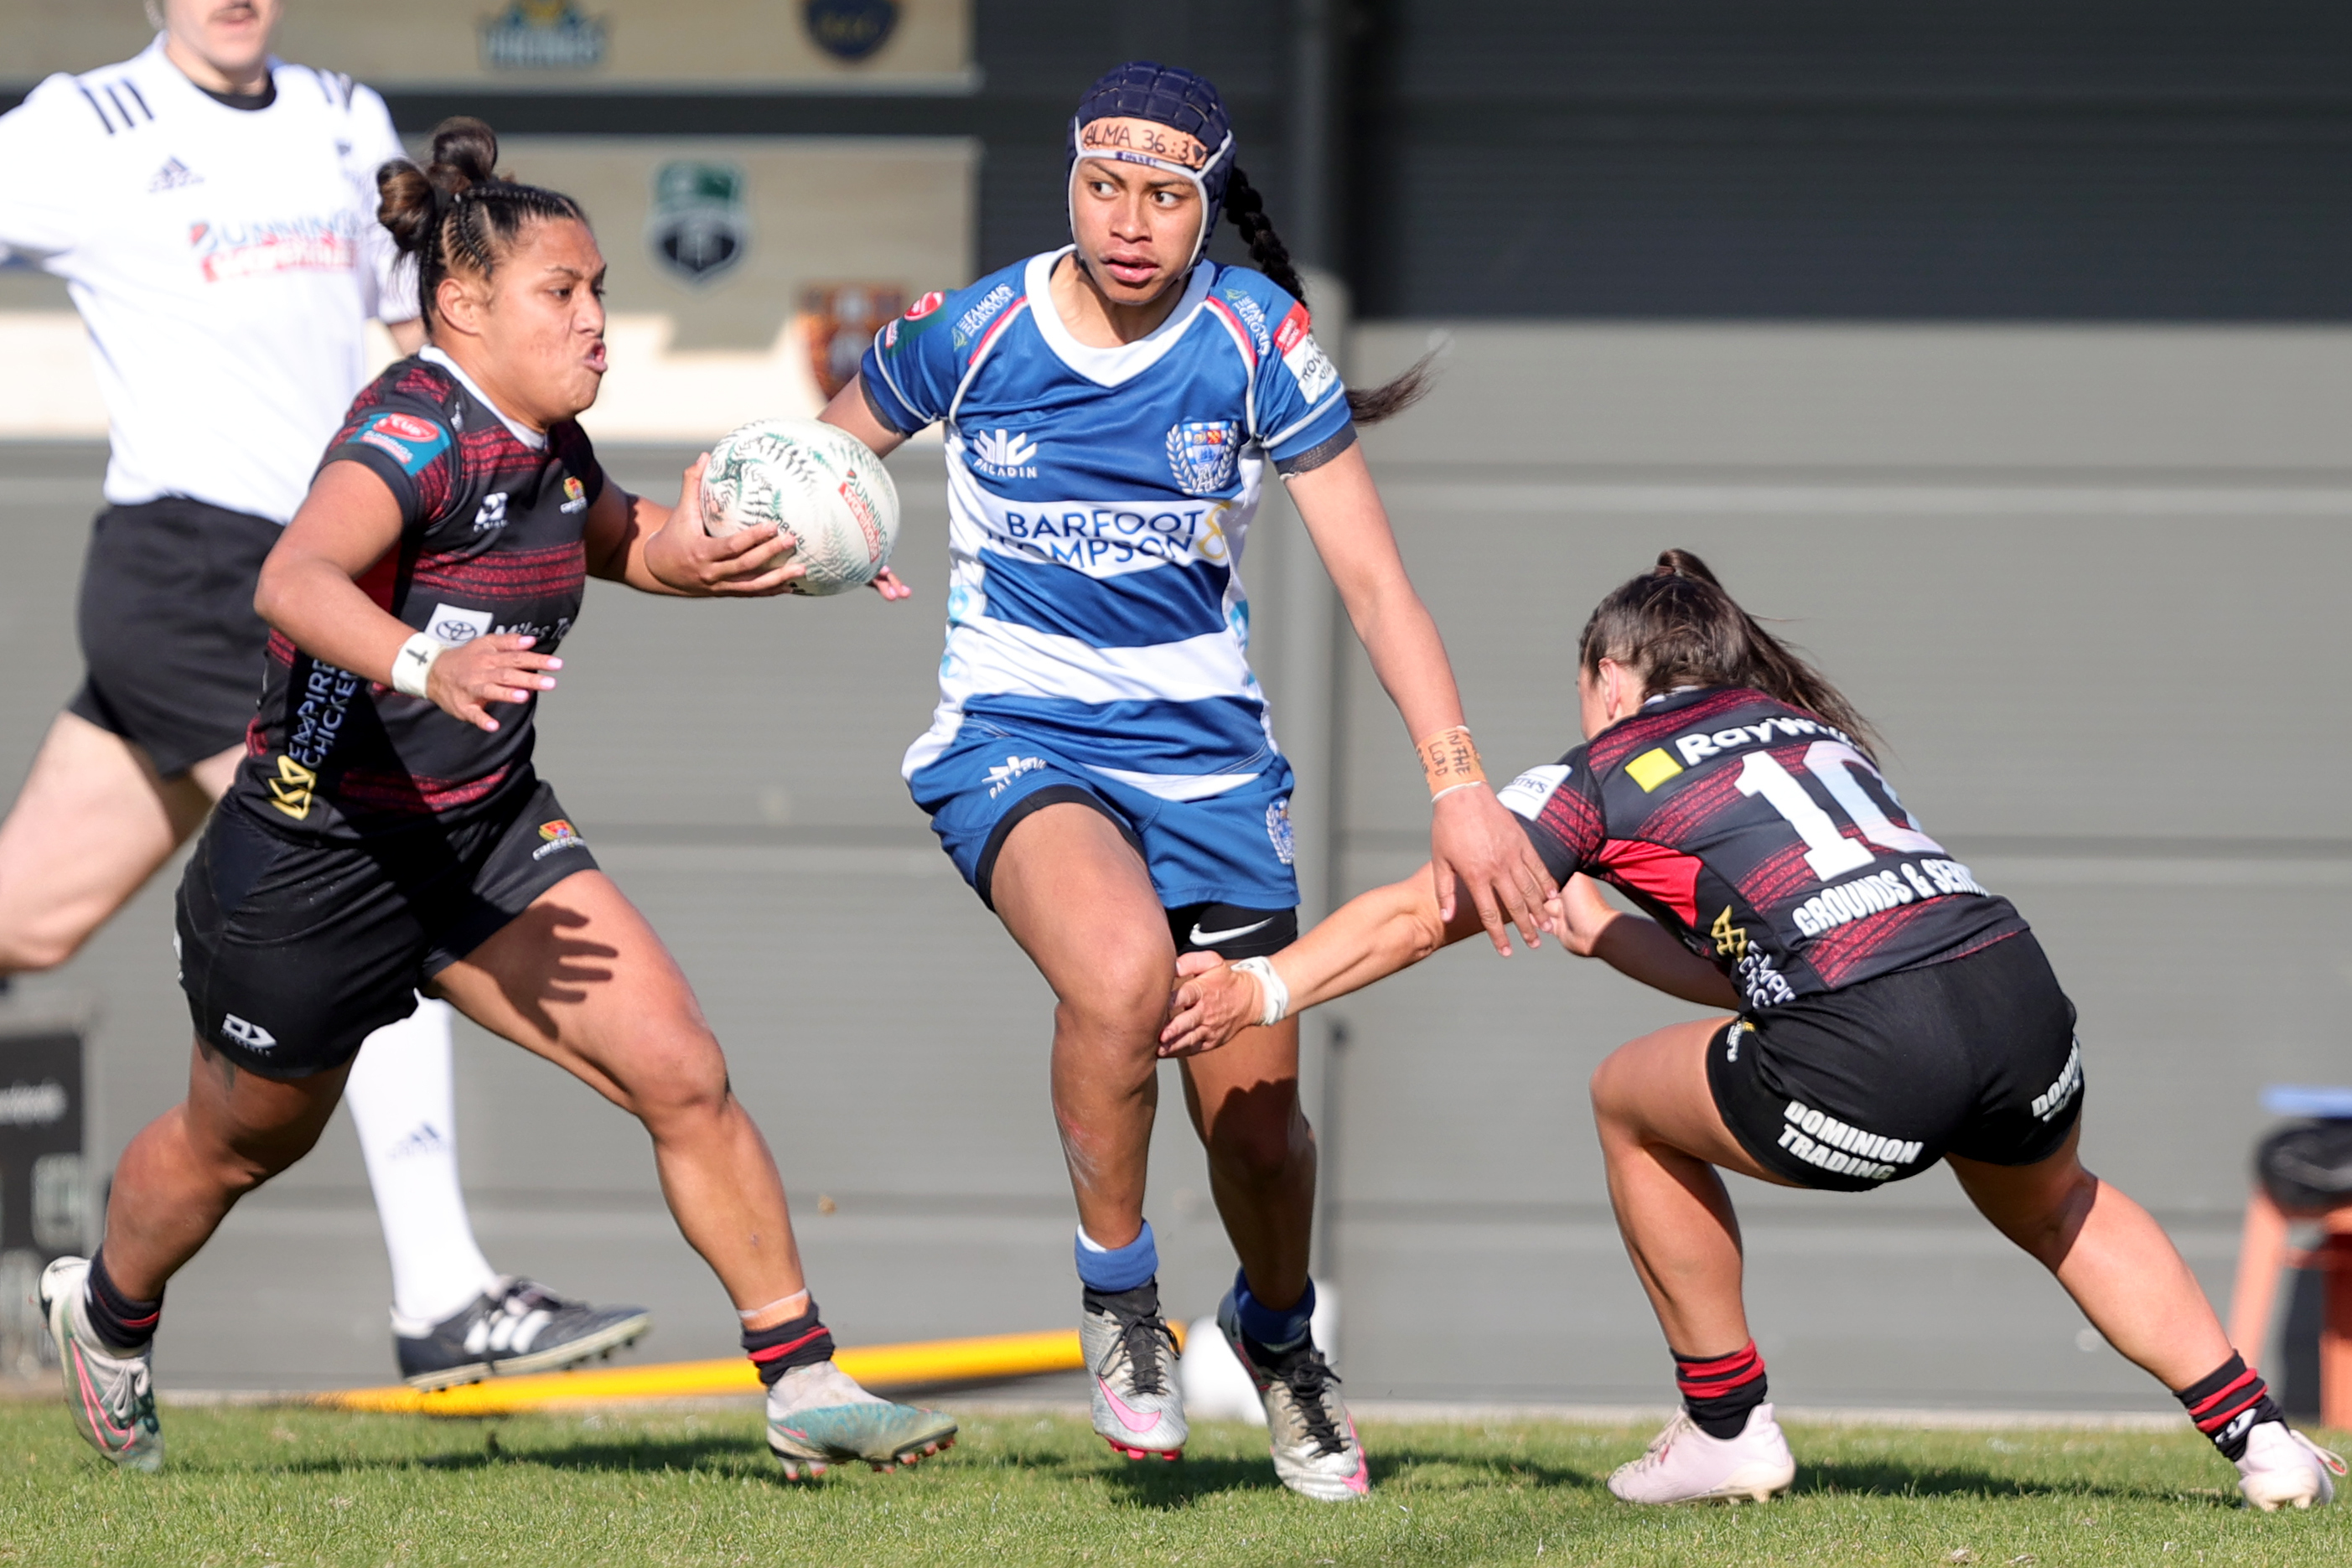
(1892, 1014)
(386, 832)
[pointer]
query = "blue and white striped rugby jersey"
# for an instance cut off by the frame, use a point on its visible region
(1099, 500)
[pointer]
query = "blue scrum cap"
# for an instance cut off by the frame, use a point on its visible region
(1143, 112)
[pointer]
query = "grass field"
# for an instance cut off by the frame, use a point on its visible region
(254, 1485)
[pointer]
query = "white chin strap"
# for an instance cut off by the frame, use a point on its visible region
(1200, 178)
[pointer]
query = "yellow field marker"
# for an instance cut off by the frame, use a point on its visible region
(988, 1359)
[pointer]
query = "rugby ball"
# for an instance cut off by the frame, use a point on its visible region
(815, 481)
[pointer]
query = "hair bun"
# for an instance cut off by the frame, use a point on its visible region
(1682, 563)
(465, 153)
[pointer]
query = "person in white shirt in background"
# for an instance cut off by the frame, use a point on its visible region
(212, 209)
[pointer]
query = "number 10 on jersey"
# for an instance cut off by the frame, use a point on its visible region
(1828, 851)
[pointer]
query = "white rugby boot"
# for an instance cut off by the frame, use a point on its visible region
(1316, 1451)
(2281, 1467)
(1138, 1407)
(111, 1395)
(1685, 1465)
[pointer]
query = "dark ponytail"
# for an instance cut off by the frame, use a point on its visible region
(1674, 626)
(458, 214)
(1271, 257)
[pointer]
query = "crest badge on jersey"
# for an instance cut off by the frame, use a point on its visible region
(1277, 828)
(700, 225)
(1203, 453)
(555, 836)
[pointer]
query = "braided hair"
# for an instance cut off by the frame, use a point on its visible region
(457, 214)
(1674, 626)
(1271, 257)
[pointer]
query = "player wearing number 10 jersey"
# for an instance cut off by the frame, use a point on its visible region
(1693, 806)
(1892, 1014)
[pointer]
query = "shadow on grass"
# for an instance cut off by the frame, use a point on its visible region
(1161, 1485)
(712, 1452)
(1893, 1477)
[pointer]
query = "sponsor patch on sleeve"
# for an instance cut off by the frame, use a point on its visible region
(1295, 341)
(1528, 792)
(409, 441)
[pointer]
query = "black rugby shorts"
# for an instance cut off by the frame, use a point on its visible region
(293, 952)
(171, 646)
(1855, 1088)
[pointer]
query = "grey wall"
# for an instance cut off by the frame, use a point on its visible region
(2087, 581)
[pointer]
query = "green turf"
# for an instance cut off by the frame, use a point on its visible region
(293, 1486)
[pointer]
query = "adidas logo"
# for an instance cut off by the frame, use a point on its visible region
(506, 1333)
(172, 176)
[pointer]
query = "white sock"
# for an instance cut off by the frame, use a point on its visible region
(403, 1105)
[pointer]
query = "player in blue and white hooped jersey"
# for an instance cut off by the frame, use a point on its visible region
(1102, 766)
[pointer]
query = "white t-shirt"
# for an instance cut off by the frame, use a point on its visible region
(225, 260)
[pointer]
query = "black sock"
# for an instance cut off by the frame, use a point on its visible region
(803, 1341)
(1142, 1302)
(2229, 1403)
(1720, 1390)
(121, 1322)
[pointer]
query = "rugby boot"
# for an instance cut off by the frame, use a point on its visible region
(1131, 1355)
(110, 1394)
(2281, 1467)
(819, 1417)
(516, 1326)
(1685, 1465)
(1316, 1451)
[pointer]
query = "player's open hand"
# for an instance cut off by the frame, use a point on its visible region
(497, 667)
(1213, 1003)
(753, 564)
(1477, 844)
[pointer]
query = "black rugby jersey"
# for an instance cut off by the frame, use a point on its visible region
(490, 542)
(1763, 838)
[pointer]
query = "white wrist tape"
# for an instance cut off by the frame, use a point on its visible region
(1270, 989)
(413, 662)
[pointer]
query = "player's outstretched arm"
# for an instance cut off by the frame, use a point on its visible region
(1368, 938)
(1634, 945)
(663, 550)
(1474, 842)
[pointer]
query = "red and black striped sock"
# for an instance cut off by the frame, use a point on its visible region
(803, 1341)
(122, 1322)
(2229, 1403)
(1720, 1390)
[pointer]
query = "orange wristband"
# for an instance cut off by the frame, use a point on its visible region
(1450, 759)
